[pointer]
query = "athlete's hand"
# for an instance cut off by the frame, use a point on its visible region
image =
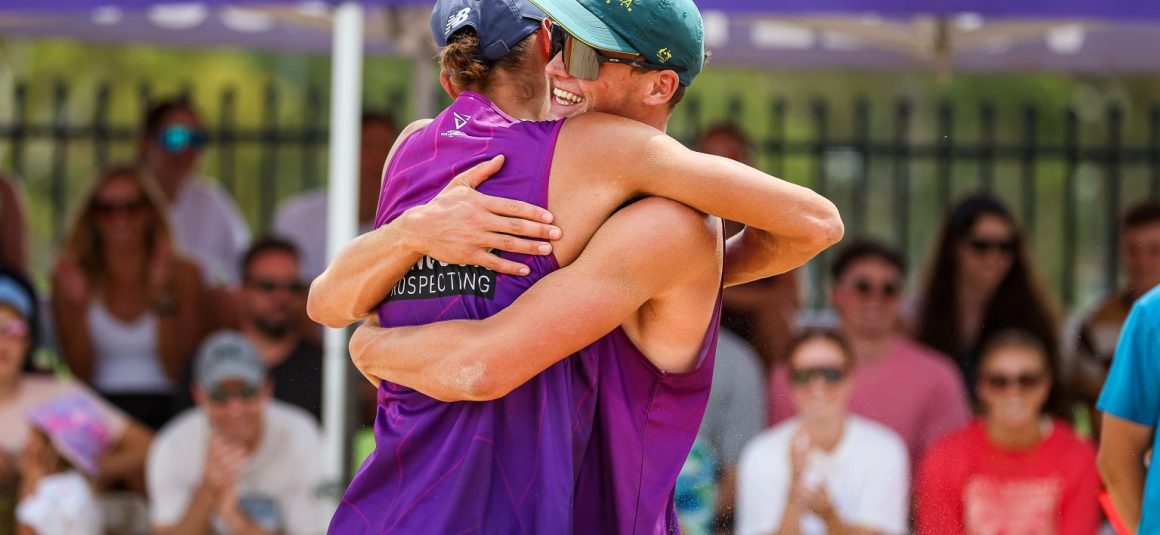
(360, 343)
(462, 225)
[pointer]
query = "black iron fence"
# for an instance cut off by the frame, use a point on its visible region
(892, 166)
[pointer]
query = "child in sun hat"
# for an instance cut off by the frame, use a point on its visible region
(69, 435)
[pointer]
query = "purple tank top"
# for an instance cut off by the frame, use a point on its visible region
(504, 466)
(645, 423)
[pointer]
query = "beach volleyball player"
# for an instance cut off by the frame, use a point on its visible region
(509, 465)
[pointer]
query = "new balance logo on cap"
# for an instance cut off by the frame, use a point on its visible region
(455, 20)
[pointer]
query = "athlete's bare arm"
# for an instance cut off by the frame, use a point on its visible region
(787, 224)
(458, 226)
(638, 258)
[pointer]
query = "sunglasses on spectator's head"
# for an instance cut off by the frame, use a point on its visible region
(13, 329)
(867, 288)
(223, 394)
(271, 285)
(1025, 381)
(178, 138)
(830, 375)
(583, 61)
(108, 208)
(982, 246)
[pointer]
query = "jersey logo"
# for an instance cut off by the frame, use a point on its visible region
(456, 19)
(430, 278)
(460, 120)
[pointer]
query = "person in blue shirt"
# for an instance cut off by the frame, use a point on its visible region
(1130, 402)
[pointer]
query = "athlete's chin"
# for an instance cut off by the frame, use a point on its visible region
(564, 111)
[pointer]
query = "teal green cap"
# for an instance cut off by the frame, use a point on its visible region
(665, 32)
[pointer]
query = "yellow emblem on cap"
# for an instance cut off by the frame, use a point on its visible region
(626, 4)
(664, 54)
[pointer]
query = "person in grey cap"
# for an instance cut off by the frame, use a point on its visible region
(239, 462)
(655, 267)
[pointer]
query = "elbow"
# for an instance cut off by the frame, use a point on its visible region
(323, 310)
(473, 380)
(831, 229)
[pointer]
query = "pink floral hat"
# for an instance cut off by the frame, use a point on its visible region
(76, 428)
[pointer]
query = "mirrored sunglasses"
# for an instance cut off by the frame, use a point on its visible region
(583, 61)
(178, 138)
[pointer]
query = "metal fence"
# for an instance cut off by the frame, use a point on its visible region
(892, 166)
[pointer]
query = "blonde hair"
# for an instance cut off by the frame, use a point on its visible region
(84, 239)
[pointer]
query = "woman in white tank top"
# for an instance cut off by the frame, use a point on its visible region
(128, 309)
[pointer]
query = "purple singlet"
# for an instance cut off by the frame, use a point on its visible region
(504, 466)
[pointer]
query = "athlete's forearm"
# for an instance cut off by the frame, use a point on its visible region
(799, 223)
(432, 359)
(362, 275)
(755, 254)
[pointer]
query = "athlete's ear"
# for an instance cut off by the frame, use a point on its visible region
(544, 35)
(445, 81)
(663, 85)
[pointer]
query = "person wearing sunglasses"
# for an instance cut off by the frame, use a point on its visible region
(1015, 469)
(672, 264)
(206, 220)
(899, 383)
(238, 462)
(127, 305)
(272, 302)
(825, 470)
(981, 280)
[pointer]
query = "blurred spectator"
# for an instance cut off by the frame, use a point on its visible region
(735, 414)
(206, 222)
(127, 307)
(826, 471)
(896, 382)
(272, 299)
(981, 281)
(14, 234)
(1140, 247)
(696, 492)
(1015, 470)
(302, 218)
(1131, 404)
(69, 438)
(761, 312)
(22, 389)
(239, 462)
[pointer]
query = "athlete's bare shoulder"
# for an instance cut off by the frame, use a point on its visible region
(606, 124)
(684, 231)
(415, 126)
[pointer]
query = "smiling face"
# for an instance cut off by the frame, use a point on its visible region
(1014, 384)
(820, 378)
(867, 297)
(987, 252)
(122, 213)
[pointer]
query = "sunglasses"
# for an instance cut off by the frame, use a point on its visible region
(178, 138)
(1025, 381)
(867, 289)
(583, 61)
(804, 376)
(109, 208)
(223, 394)
(983, 246)
(271, 286)
(14, 329)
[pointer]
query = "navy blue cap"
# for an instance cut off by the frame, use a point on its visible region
(499, 24)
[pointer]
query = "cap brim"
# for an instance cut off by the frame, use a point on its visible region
(584, 25)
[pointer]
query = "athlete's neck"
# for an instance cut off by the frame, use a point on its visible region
(524, 101)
